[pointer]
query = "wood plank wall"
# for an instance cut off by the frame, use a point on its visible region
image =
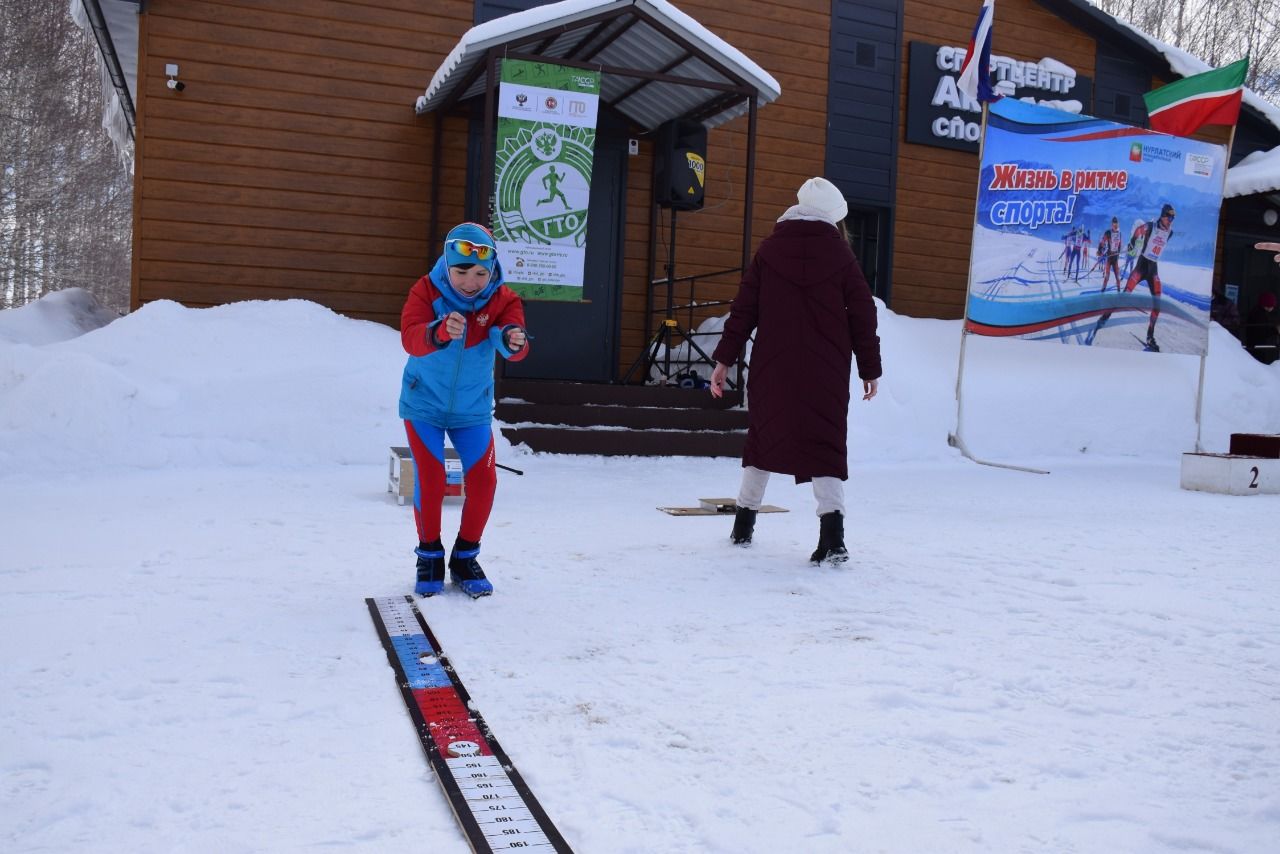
(292, 165)
(937, 186)
(789, 40)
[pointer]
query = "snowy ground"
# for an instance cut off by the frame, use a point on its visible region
(194, 510)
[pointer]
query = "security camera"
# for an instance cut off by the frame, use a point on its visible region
(176, 85)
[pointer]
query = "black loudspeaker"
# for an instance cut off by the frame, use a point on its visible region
(680, 165)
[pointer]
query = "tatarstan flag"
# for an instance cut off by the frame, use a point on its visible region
(1211, 98)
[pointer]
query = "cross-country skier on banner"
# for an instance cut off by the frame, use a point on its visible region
(1132, 251)
(1073, 240)
(455, 319)
(1109, 254)
(1083, 242)
(1148, 241)
(1068, 241)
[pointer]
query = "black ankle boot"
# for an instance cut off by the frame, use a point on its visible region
(430, 568)
(465, 570)
(830, 548)
(744, 525)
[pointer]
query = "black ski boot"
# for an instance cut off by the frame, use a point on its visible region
(744, 525)
(1151, 345)
(430, 568)
(465, 570)
(830, 548)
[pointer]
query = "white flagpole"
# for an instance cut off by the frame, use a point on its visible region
(1205, 355)
(956, 439)
(1200, 397)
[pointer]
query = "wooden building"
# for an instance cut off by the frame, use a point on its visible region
(285, 159)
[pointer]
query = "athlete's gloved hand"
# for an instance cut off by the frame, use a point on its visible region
(514, 338)
(439, 336)
(455, 325)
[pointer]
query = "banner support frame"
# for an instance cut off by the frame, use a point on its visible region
(956, 439)
(1204, 357)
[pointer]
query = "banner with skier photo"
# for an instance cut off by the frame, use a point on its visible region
(542, 176)
(1093, 233)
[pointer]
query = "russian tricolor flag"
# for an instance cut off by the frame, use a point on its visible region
(975, 74)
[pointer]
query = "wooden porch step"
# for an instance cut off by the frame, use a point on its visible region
(1265, 445)
(636, 417)
(642, 443)
(620, 420)
(613, 394)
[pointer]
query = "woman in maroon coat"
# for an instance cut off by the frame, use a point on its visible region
(812, 312)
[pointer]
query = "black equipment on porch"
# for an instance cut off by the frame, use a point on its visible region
(680, 162)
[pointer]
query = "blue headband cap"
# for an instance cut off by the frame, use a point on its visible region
(474, 233)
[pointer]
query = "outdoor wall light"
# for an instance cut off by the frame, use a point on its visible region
(171, 71)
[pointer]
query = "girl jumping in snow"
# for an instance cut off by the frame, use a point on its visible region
(455, 319)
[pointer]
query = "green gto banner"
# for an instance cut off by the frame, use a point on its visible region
(542, 178)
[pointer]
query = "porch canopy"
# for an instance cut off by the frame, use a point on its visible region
(684, 70)
(656, 64)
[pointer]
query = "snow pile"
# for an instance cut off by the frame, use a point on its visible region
(284, 383)
(292, 383)
(55, 317)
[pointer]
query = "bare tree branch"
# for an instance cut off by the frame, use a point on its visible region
(65, 201)
(1217, 32)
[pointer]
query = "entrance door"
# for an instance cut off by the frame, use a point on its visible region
(1250, 271)
(577, 340)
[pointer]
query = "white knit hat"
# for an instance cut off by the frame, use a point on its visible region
(820, 196)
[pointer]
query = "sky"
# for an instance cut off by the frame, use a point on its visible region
(195, 508)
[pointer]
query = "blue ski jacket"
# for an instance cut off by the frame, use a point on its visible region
(450, 384)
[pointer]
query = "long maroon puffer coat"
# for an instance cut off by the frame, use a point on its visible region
(810, 305)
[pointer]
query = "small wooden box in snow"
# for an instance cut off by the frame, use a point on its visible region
(400, 474)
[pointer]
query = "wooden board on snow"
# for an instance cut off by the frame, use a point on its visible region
(716, 507)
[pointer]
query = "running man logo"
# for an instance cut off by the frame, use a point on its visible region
(1135, 152)
(699, 167)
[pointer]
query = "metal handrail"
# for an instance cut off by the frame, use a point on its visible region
(735, 380)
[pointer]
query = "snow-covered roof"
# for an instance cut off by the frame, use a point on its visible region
(1260, 171)
(113, 24)
(1257, 173)
(1186, 65)
(643, 35)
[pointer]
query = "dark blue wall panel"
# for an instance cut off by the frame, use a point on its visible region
(1119, 84)
(862, 99)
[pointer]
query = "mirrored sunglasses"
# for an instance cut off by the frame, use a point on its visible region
(467, 249)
